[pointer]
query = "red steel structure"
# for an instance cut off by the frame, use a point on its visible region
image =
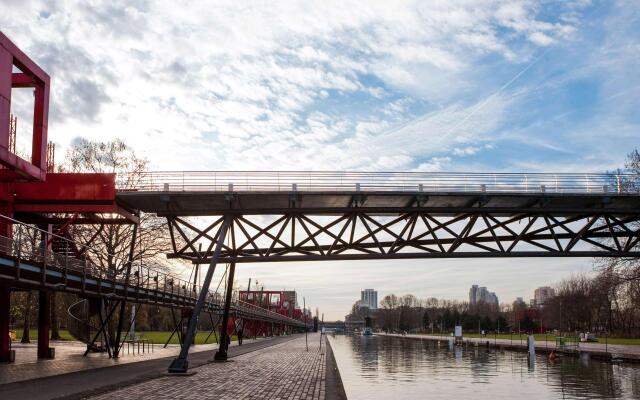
(28, 193)
(49, 202)
(283, 302)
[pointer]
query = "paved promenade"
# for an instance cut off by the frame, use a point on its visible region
(69, 358)
(93, 380)
(629, 352)
(283, 371)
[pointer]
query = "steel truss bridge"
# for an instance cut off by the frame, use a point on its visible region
(240, 217)
(314, 216)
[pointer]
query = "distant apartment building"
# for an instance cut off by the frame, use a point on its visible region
(370, 298)
(519, 302)
(542, 295)
(481, 295)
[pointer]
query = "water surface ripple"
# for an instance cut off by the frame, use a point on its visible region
(382, 367)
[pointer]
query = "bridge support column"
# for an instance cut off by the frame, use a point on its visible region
(44, 325)
(116, 349)
(180, 364)
(5, 320)
(221, 354)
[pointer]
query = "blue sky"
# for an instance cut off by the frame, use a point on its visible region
(462, 85)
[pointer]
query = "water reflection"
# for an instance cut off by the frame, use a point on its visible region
(382, 367)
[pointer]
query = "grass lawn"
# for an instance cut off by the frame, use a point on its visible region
(541, 337)
(160, 337)
(157, 337)
(33, 335)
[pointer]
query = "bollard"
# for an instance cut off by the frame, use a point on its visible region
(531, 345)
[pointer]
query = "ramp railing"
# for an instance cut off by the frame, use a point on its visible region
(29, 244)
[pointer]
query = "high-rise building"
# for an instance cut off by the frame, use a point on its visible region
(369, 297)
(542, 294)
(473, 294)
(481, 295)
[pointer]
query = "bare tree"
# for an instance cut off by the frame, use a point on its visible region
(110, 248)
(26, 322)
(627, 268)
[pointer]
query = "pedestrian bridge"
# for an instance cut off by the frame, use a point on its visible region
(312, 216)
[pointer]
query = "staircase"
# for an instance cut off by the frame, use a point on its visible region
(79, 316)
(65, 247)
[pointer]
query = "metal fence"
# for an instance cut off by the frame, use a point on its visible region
(287, 181)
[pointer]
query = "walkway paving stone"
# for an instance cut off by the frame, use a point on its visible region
(69, 358)
(283, 371)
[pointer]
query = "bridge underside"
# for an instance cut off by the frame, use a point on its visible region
(315, 226)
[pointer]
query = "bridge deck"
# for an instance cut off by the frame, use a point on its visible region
(437, 203)
(214, 193)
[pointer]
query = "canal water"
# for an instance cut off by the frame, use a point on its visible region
(379, 367)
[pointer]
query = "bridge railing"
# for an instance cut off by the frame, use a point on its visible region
(318, 181)
(29, 243)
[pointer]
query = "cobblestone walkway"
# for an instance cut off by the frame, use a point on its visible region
(69, 358)
(284, 371)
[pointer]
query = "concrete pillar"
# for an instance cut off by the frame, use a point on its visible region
(5, 318)
(44, 325)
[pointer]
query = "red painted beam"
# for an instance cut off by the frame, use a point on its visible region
(70, 193)
(20, 80)
(21, 168)
(22, 61)
(43, 219)
(6, 65)
(68, 187)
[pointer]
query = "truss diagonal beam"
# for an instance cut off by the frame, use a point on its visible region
(362, 235)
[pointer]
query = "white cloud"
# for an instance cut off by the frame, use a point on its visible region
(220, 87)
(324, 85)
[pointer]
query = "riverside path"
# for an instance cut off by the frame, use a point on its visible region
(283, 371)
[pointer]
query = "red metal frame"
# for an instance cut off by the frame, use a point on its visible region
(285, 305)
(25, 187)
(31, 76)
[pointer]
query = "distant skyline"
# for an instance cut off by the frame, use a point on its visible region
(455, 85)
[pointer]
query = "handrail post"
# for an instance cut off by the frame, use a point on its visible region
(66, 261)
(19, 252)
(84, 275)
